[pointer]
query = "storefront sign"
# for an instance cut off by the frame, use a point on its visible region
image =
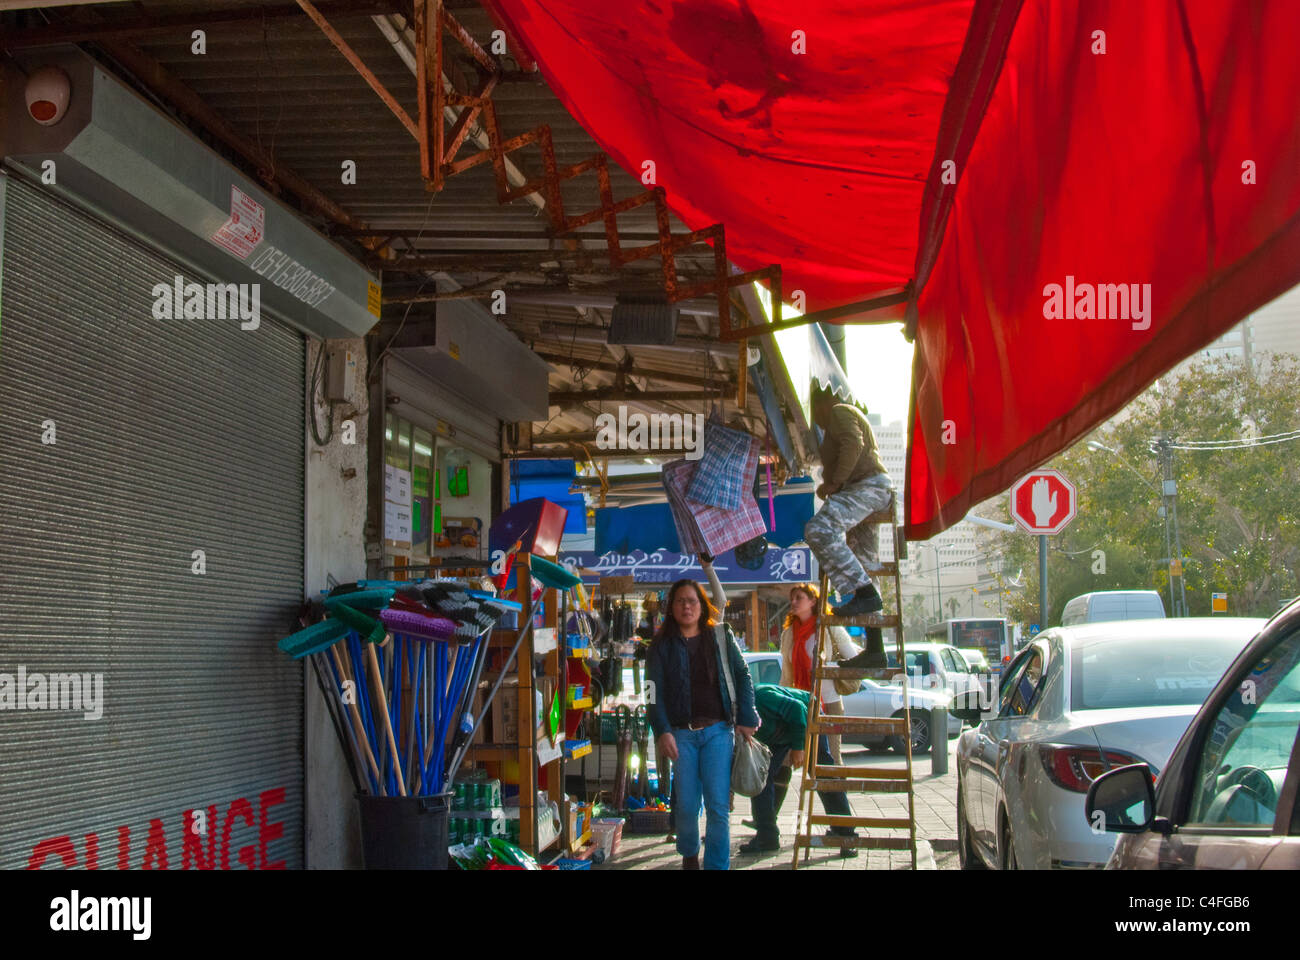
(778, 565)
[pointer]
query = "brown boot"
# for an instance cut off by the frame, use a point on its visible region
(691, 863)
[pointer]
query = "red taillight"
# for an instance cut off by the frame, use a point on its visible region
(1074, 768)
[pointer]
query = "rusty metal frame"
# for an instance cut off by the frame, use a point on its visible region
(439, 149)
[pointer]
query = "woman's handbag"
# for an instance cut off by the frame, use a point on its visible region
(845, 687)
(750, 760)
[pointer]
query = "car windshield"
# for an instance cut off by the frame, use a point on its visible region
(1146, 672)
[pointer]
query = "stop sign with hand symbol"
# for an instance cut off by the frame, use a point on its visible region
(1043, 502)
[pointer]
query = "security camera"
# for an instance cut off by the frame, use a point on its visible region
(48, 91)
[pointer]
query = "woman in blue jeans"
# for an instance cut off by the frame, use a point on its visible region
(690, 711)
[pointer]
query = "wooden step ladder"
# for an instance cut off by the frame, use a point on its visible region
(885, 832)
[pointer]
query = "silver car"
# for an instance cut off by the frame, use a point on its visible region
(1075, 702)
(1228, 797)
(873, 699)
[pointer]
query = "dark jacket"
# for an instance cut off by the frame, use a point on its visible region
(784, 712)
(849, 452)
(668, 667)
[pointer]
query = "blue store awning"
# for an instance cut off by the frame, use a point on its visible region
(650, 527)
(550, 479)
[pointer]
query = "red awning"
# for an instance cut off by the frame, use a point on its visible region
(1169, 160)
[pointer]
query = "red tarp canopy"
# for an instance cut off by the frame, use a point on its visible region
(1169, 159)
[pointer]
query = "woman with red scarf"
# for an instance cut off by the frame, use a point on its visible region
(797, 639)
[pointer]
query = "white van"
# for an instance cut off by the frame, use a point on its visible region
(1113, 605)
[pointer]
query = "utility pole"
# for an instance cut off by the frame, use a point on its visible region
(1042, 582)
(1162, 447)
(938, 585)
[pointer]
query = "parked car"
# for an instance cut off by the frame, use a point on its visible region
(937, 666)
(1076, 702)
(1227, 798)
(1106, 605)
(975, 660)
(873, 699)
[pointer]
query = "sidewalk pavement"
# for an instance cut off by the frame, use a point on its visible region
(936, 826)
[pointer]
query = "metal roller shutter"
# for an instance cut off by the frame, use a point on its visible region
(172, 436)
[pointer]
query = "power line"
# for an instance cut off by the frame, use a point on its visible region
(1235, 444)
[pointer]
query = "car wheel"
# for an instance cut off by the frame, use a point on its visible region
(1008, 845)
(920, 733)
(966, 855)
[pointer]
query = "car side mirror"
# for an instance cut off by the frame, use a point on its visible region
(1122, 800)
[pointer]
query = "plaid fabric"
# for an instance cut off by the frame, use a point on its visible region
(721, 478)
(707, 529)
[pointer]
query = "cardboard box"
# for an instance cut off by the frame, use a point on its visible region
(505, 712)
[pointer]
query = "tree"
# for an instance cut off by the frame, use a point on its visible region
(952, 603)
(1238, 509)
(915, 619)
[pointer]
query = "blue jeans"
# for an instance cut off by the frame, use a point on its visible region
(703, 772)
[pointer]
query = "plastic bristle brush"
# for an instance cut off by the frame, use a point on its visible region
(313, 639)
(411, 624)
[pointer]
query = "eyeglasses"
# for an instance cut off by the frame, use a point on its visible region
(687, 601)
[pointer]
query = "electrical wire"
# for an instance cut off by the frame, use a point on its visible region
(311, 412)
(1193, 445)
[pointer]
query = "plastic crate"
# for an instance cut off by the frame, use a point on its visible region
(608, 832)
(647, 821)
(566, 863)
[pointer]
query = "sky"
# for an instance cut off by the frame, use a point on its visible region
(880, 368)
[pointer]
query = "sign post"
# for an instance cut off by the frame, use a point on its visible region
(1043, 503)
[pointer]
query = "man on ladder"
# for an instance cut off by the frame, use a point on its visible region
(854, 486)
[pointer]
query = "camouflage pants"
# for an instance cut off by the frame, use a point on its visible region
(843, 544)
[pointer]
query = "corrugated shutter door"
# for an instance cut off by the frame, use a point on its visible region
(172, 436)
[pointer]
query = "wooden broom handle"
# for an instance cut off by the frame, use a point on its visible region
(388, 723)
(357, 725)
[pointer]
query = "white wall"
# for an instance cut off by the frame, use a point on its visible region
(336, 516)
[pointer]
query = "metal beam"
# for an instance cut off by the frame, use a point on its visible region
(497, 261)
(565, 397)
(635, 371)
(168, 24)
(359, 65)
(582, 333)
(820, 316)
(167, 88)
